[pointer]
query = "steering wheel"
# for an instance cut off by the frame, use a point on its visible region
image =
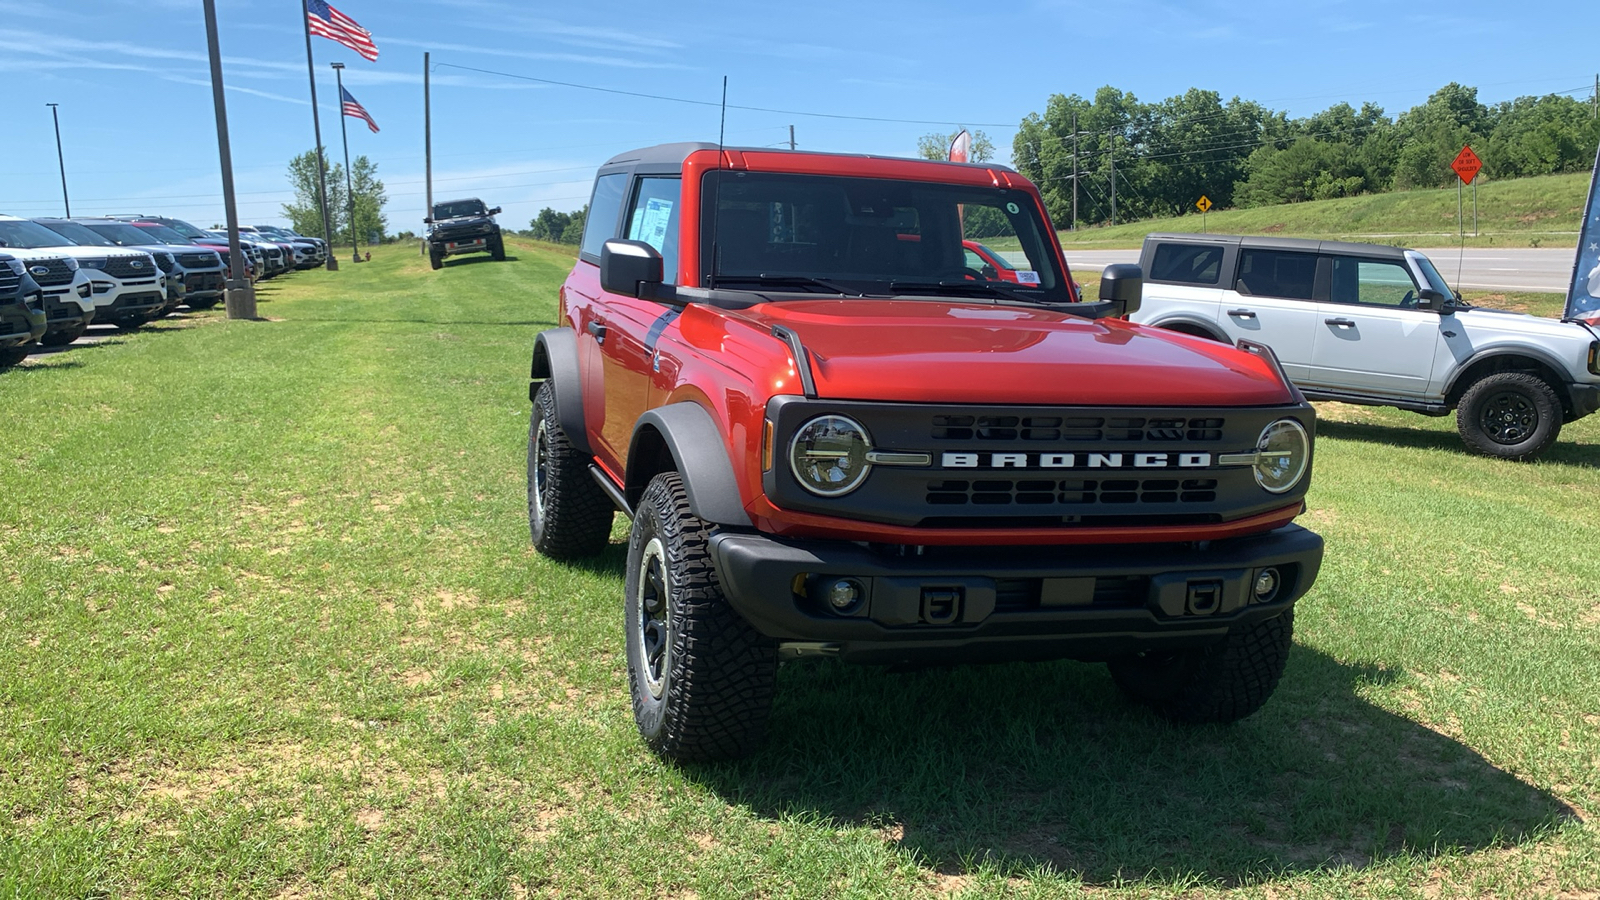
(1409, 301)
(960, 273)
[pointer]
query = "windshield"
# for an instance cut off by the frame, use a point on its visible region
(27, 235)
(878, 236)
(1435, 280)
(458, 209)
(162, 234)
(184, 228)
(122, 234)
(77, 234)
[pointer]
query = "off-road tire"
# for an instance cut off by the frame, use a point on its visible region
(1221, 682)
(435, 260)
(1510, 415)
(63, 337)
(569, 516)
(10, 356)
(715, 675)
(497, 248)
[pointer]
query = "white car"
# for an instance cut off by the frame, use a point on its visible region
(127, 286)
(1376, 325)
(68, 295)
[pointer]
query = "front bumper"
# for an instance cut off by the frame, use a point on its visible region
(972, 604)
(204, 285)
(20, 325)
(1585, 399)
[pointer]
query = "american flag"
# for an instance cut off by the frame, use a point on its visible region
(352, 108)
(324, 20)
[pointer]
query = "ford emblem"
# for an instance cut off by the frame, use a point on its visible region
(40, 270)
(135, 264)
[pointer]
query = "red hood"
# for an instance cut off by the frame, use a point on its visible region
(928, 351)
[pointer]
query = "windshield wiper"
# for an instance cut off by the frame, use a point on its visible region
(965, 287)
(789, 281)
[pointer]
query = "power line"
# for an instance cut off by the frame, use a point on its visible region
(786, 112)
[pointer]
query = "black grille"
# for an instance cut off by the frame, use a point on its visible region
(8, 279)
(58, 273)
(165, 261)
(199, 260)
(123, 267)
(1071, 491)
(1074, 428)
(1020, 594)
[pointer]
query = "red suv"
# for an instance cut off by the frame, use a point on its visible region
(834, 436)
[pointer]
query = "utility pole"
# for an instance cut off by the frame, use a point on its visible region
(1074, 226)
(241, 296)
(791, 137)
(61, 159)
(1596, 114)
(349, 184)
(1113, 135)
(427, 142)
(316, 131)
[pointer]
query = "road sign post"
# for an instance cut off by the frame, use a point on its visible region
(1466, 165)
(1204, 205)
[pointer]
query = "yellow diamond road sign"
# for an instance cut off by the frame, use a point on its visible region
(1204, 203)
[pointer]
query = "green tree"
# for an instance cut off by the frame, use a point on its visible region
(550, 226)
(1432, 134)
(574, 231)
(937, 146)
(369, 199)
(304, 215)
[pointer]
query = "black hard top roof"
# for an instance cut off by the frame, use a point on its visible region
(673, 155)
(1304, 245)
(462, 200)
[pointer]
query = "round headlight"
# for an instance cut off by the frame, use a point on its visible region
(1282, 455)
(828, 455)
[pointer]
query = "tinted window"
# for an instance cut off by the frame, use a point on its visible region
(1276, 273)
(458, 209)
(601, 225)
(1187, 264)
(653, 218)
(1372, 282)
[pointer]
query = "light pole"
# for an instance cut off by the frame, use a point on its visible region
(61, 159)
(241, 298)
(349, 185)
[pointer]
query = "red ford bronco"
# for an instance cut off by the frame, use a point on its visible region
(835, 437)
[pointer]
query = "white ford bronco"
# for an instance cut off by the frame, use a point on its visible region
(1376, 325)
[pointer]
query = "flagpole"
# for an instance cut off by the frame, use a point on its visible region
(316, 129)
(349, 185)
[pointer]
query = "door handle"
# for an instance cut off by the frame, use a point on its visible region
(1341, 323)
(1242, 313)
(598, 330)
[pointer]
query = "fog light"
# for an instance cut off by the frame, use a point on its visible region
(1267, 582)
(845, 594)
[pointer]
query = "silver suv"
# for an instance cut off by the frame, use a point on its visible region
(1376, 325)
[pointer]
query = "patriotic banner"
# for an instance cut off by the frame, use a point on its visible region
(1583, 294)
(328, 22)
(356, 110)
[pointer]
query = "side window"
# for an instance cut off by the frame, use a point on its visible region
(601, 224)
(1186, 264)
(974, 261)
(653, 218)
(1372, 282)
(1276, 273)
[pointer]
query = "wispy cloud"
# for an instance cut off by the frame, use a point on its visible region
(614, 61)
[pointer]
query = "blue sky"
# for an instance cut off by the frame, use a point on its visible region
(139, 136)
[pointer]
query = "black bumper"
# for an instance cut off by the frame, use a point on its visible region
(20, 324)
(1585, 399)
(979, 604)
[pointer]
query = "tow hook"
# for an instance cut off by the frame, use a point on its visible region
(941, 605)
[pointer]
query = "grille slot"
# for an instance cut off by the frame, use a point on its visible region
(1074, 428)
(1070, 492)
(1022, 594)
(199, 260)
(59, 273)
(122, 267)
(8, 279)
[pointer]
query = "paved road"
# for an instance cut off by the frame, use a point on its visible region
(1488, 269)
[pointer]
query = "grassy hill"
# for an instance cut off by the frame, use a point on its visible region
(1525, 212)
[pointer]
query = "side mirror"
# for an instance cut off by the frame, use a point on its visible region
(630, 268)
(988, 272)
(1431, 300)
(428, 220)
(1122, 284)
(495, 211)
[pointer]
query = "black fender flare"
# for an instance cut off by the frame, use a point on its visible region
(1563, 385)
(555, 358)
(687, 432)
(1209, 328)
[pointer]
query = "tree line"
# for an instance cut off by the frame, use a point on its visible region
(1166, 155)
(305, 216)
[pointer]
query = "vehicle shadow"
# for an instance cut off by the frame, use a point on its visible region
(1564, 451)
(475, 259)
(1029, 766)
(422, 321)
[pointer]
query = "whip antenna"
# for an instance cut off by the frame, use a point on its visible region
(716, 211)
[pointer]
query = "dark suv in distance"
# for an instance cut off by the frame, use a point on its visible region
(463, 226)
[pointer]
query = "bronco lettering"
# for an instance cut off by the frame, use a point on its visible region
(1076, 461)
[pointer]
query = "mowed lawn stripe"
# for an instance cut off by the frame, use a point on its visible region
(280, 634)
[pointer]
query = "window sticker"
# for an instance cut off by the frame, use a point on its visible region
(1026, 276)
(650, 223)
(1013, 208)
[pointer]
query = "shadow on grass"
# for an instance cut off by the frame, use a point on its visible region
(475, 259)
(1396, 436)
(1025, 766)
(422, 321)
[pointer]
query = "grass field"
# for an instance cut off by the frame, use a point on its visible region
(1524, 212)
(271, 628)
